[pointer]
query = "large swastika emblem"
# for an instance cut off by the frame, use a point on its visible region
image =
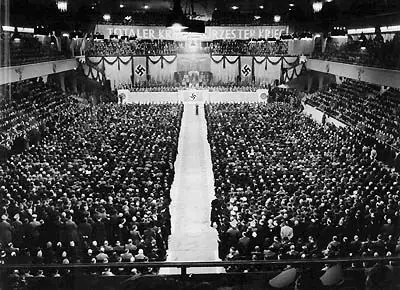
(193, 96)
(140, 70)
(246, 70)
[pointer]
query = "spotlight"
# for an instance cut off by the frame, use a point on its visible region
(107, 17)
(317, 6)
(261, 6)
(146, 7)
(277, 18)
(121, 6)
(235, 7)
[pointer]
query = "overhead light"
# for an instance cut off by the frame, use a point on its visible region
(128, 18)
(121, 5)
(107, 17)
(62, 5)
(177, 27)
(146, 7)
(363, 48)
(361, 30)
(65, 35)
(261, 6)
(291, 4)
(235, 7)
(256, 17)
(277, 18)
(329, 1)
(317, 6)
(393, 28)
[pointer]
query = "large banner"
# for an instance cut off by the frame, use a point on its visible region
(211, 32)
(244, 32)
(141, 32)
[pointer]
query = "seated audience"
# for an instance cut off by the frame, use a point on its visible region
(288, 188)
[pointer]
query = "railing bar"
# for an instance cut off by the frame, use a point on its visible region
(203, 264)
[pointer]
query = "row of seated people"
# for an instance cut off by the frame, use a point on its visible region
(132, 47)
(95, 175)
(165, 47)
(24, 106)
(287, 187)
(369, 52)
(362, 105)
(174, 87)
(27, 49)
(246, 47)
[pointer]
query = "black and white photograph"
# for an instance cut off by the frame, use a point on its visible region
(199, 144)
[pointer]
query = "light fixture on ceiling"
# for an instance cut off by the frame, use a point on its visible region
(146, 6)
(121, 5)
(277, 18)
(317, 6)
(291, 4)
(235, 7)
(261, 6)
(62, 5)
(177, 27)
(107, 17)
(256, 17)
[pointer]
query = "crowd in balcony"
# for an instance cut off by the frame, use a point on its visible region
(92, 186)
(132, 47)
(289, 188)
(20, 49)
(167, 47)
(25, 107)
(248, 47)
(364, 106)
(373, 51)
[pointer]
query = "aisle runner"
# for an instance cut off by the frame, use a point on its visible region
(192, 191)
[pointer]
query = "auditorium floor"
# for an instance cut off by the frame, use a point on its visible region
(192, 191)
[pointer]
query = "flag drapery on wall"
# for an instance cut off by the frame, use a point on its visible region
(225, 69)
(120, 69)
(162, 68)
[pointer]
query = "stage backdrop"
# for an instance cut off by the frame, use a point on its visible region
(224, 68)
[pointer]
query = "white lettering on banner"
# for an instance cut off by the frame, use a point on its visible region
(145, 33)
(211, 32)
(151, 34)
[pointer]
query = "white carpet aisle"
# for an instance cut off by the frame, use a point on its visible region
(192, 191)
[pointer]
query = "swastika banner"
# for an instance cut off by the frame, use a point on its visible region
(246, 70)
(139, 69)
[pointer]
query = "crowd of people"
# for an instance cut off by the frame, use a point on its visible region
(364, 106)
(248, 47)
(93, 189)
(131, 47)
(167, 47)
(372, 51)
(25, 106)
(289, 188)
(17, 50)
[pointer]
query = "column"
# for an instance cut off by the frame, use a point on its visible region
(62, 81)
(74, 84)
(320, 81)
(309, 82)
